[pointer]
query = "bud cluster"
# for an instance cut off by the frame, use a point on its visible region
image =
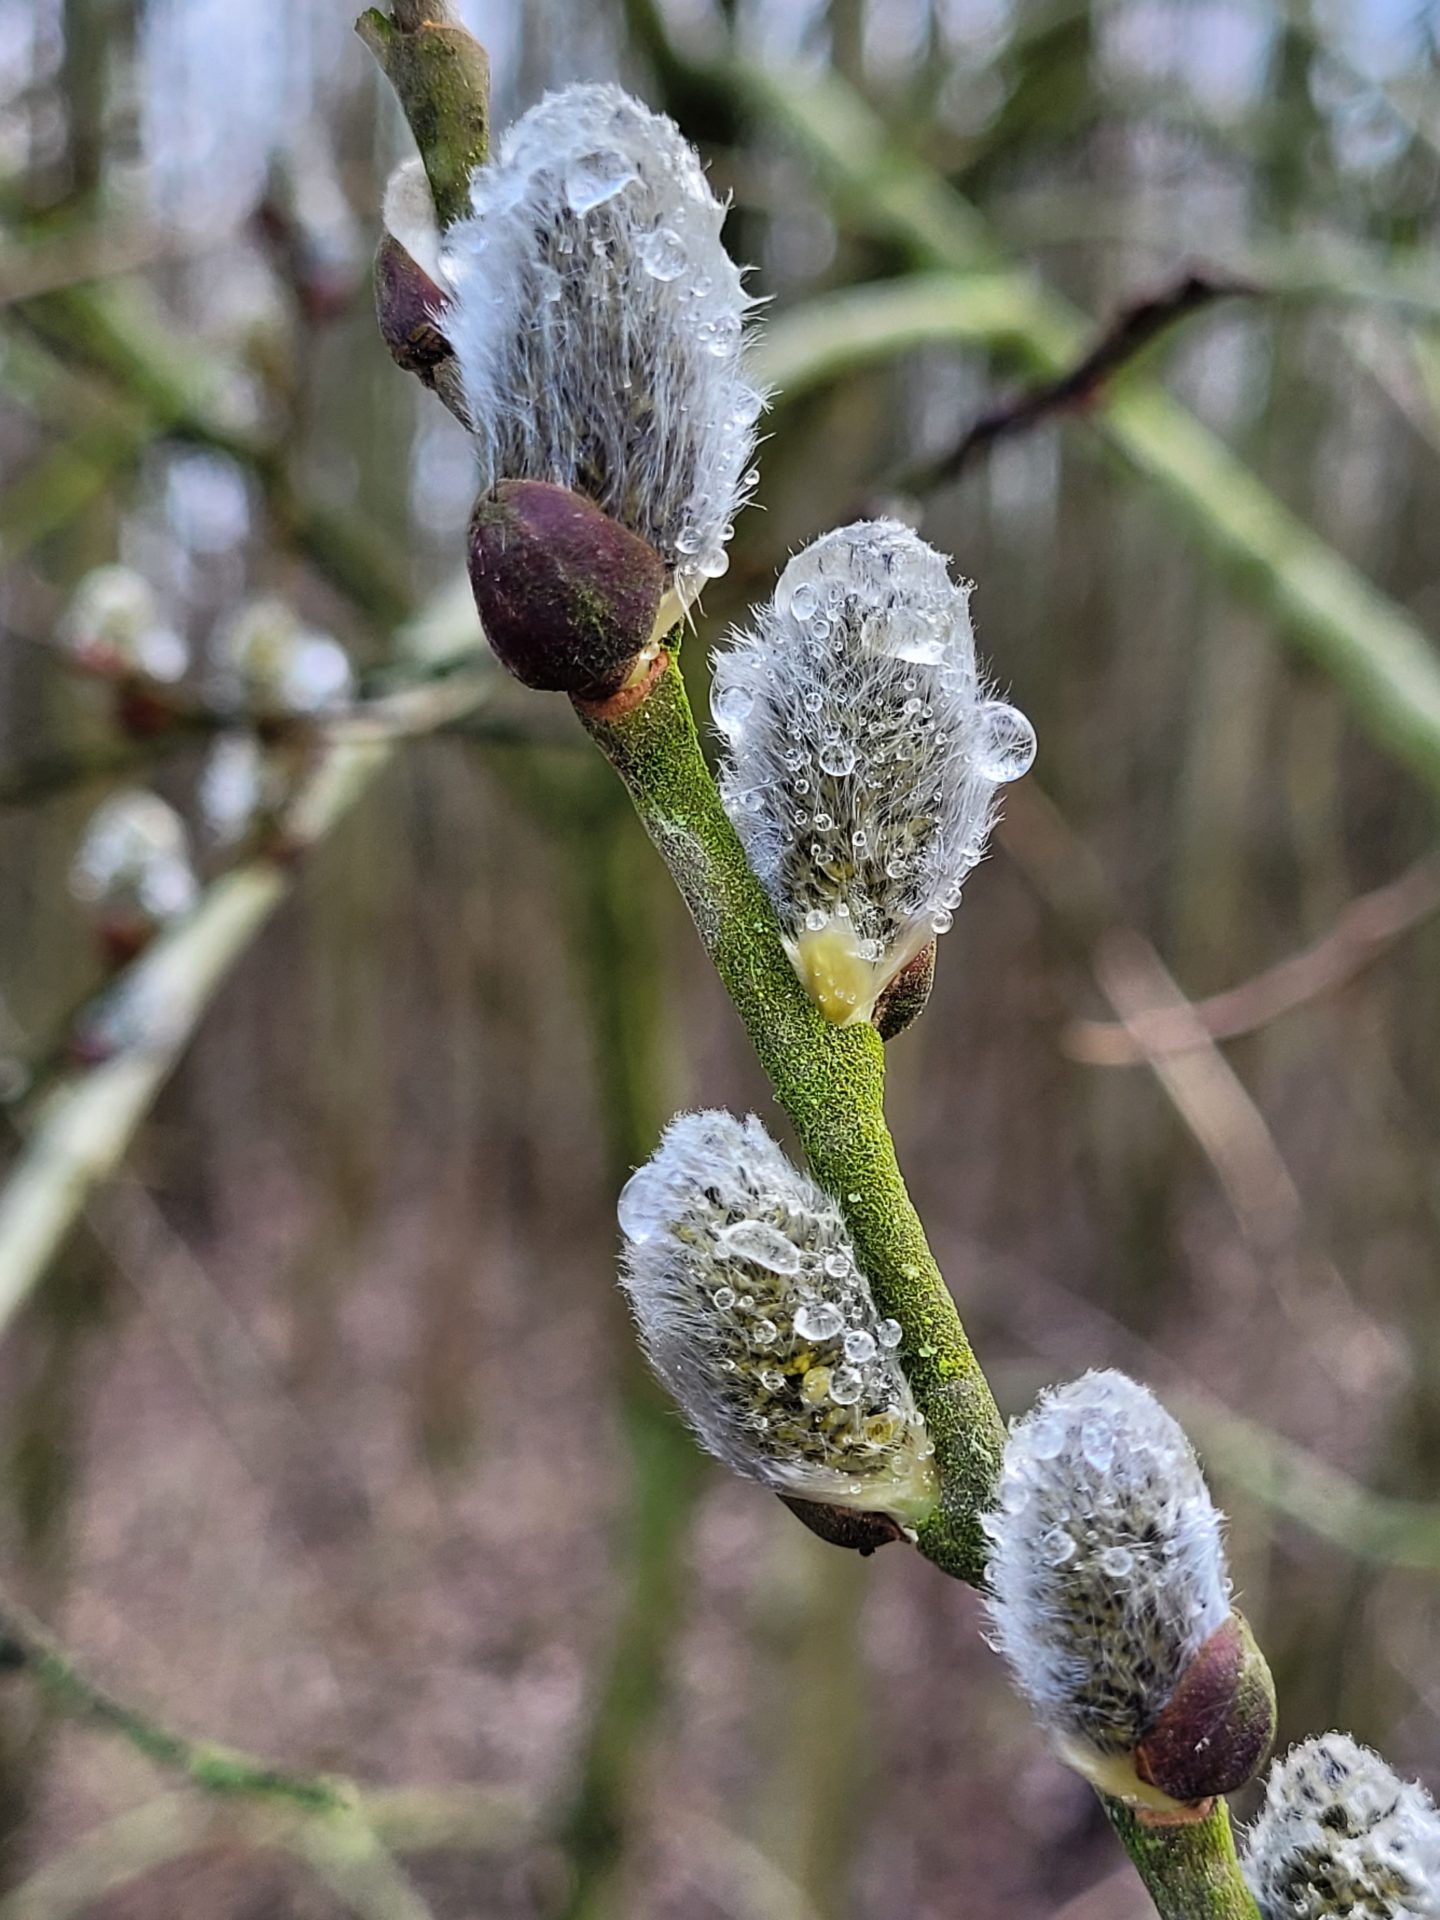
(753, 1311)
(1340, 1833)
(863, 756)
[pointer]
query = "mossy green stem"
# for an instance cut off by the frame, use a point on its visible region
(1190, 1872)
(831, 1082)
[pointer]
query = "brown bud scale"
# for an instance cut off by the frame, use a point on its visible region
(844, 1526)
(408, 306)
(1219, 1723)
(905, 998)
(567, 596)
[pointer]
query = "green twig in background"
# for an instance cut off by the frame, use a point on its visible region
(120, 332)
(1384, 663)
(84, 1125)
(830, 1081)
(25, 1644)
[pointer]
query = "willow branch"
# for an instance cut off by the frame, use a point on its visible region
(831, 1082)
(82, 1129)
(1190, 1872)
(1387, 667)
(120, 333)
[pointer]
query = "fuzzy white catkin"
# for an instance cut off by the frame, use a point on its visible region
(752, 1310)
(1340, 1833)
(1107, 1570)
(863, 755)
(270, 661)
(597, 322)
(133, 861)
(113, 621)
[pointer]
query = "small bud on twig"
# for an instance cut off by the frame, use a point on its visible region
(863, 761)
(1340, 1833)
(1111, 1604)
(132, 871)
(568, 597)
(279, 669)
(113, 628)
(751, 1307)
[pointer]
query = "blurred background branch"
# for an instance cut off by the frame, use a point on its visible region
(322, 1428)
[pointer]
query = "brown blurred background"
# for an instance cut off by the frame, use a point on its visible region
(324, 1434)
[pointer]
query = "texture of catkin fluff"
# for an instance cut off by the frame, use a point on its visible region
(1340, 1833)
(1107, 1572)
(751, 1308)
(863, 755)
(597, 322)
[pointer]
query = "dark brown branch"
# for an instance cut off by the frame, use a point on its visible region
(1133, 329)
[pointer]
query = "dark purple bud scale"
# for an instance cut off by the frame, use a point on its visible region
(567, 596)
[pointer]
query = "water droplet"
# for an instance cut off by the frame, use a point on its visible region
(846, 1386)
(765, 1246)
(803, 601)
(859, 1346)
(1005, 741)
(724, 1298)
(1057, 1547)
(815, 920)
(818, 1320)
(837, 1264)
(1047, 1440)
(764, 1333)
(1116, 1562)
(744, 413)
(889, 1333)
(941, 920)
(731, 706)
(639, 1208)
(662, 254)
(918, 640)
(772, 1379)
(838, 757)
(815, 1386)
(593, 178)
(1097, 1443)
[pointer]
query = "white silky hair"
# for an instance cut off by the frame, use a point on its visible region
(863, 755)
(1341, 1833)
(598, 325)
(753, 1311)
(1107, 1570)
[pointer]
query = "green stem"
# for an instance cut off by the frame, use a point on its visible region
(831, 1082)
(1191, 1873)
(441, 77)
(214, 1768)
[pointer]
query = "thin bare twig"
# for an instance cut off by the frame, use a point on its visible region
(1367, 929)
(1132, 329)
